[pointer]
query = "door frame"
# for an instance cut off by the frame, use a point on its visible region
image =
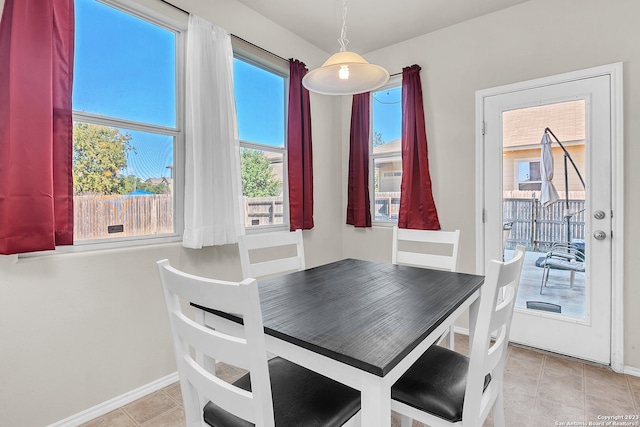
(617, 186)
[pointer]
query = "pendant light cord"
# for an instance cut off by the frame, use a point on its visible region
(343, 34)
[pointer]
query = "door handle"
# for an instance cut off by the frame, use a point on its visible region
(599, 215)
(599, 235)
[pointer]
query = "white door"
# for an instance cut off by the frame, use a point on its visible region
(571, 317)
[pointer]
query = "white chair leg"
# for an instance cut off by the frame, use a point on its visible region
(405, 421)
(498, 411)
(545, 277)
(451, 338)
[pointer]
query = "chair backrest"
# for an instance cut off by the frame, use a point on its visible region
(436, 238)
(197, 384)
(569, 251)
(489, 347)
(266, 254)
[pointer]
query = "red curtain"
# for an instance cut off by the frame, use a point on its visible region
(358, 206)
(36, 77)
(299, 149)
(417, 207)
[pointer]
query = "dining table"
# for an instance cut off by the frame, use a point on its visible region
(361, 323)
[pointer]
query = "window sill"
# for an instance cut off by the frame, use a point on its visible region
(99, 246)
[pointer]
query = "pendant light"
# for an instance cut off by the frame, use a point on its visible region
(345, 73)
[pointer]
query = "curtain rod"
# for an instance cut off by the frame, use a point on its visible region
(397, 74)
(232, 35)
(174, 6)
(246, 41)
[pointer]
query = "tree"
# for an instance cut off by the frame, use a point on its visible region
(99, 156)
(152, 188)
(133, 183)
(377, 139)
(257, 175)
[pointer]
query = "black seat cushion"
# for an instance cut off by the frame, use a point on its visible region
(436, 383)
(300, 398)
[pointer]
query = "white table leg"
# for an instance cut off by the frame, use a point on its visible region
(473, 319)
(376, 402)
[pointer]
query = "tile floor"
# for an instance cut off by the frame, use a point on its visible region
(541, 389)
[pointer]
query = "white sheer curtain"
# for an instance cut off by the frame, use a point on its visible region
(213, 210)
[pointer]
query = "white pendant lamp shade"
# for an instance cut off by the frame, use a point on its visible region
(345, 73)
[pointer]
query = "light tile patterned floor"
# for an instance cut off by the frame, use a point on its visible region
(540, 389)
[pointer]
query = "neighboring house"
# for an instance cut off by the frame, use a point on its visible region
(163, 180)
(388, 170)
(522, 132)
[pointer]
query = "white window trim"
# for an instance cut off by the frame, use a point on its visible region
(255, 56)
(393, 83)
(179, 28)
(516, 180)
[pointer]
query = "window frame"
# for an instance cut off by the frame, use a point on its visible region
(393, 83)
(516, 180)
(258, 57)
(179, 28)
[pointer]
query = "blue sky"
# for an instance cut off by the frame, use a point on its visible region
(122, 70)
(110, 46)
(387, 113)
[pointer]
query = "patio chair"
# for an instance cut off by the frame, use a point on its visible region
(272, 393)
(562, 256)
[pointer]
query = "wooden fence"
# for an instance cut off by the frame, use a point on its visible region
(537, 227)
(95, 215)
(99, 216)
(387, 205)
(263, 211)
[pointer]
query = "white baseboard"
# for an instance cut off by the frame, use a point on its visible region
(116, 402)
(630, 370)
(460, 330)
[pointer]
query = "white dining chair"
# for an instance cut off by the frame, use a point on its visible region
(445, 388)
(443, 243)
(273, 393)
(268, 254)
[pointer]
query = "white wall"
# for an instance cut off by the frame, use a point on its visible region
(79, 329)
(535, 39)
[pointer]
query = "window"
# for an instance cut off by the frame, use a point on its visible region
(261, 91)
(385, 155)
(125, 136)
(529, 175)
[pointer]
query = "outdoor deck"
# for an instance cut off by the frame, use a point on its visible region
(557, 291)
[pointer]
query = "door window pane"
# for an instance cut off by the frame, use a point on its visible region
(553, 278)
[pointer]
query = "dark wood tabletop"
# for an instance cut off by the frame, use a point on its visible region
(367, 314)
